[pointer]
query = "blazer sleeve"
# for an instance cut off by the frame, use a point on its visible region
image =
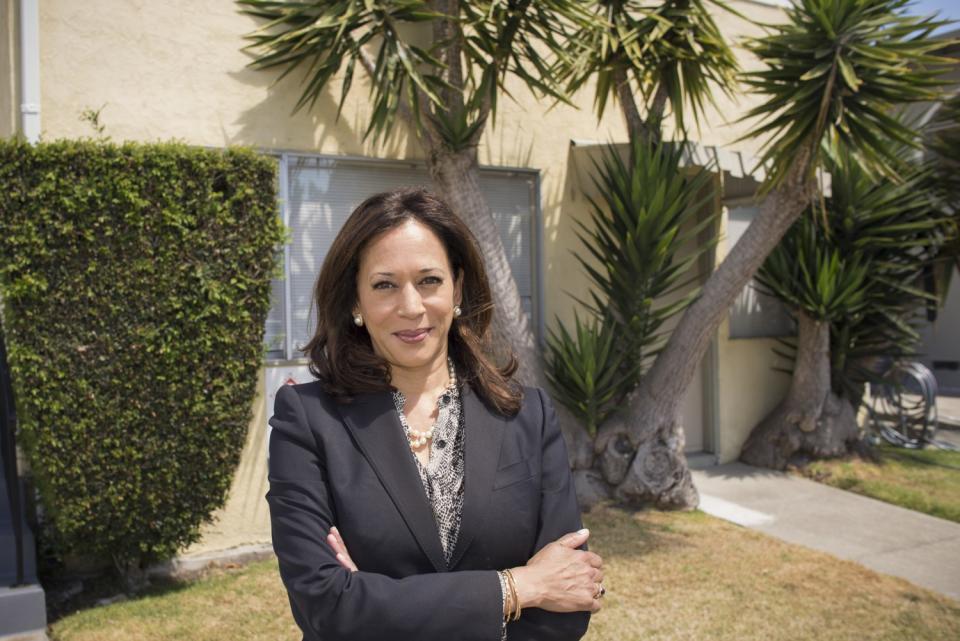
(330, 602)
(559, 515)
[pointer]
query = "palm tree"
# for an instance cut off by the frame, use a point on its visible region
(852, 279)
(944, 148)
(834, 72)
(671, 54)
(670, 59)
(444, 87)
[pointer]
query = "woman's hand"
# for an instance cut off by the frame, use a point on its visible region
(340, 549)
(561, 578)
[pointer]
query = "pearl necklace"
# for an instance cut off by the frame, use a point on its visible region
(418, 438)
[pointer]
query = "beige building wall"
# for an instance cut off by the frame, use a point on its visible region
(162, 70)
(9, 111)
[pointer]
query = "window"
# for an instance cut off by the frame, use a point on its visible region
(320, 192)
(754, 314)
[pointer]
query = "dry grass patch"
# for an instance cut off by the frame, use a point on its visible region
(669, 575)
(690, 576)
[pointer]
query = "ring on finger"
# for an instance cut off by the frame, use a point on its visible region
(598, 594)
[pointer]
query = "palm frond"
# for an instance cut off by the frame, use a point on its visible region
(835, 72)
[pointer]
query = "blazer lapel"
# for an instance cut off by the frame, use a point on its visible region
(484, 434)
(373, 421)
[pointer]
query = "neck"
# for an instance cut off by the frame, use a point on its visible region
(415, 381)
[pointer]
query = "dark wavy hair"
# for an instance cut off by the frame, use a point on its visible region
(340, 353)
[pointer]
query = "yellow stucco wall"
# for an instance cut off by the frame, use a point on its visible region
(748, 388)
(163, 70)
(8, 62)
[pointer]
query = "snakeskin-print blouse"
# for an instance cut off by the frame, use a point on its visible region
(442, 477)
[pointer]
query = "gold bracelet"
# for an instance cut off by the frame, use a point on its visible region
(510, 596)
(505, 587)
(512, 600)
(516, 597)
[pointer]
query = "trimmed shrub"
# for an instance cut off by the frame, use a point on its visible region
(136, 282)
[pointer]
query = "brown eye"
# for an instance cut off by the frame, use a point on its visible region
(383, 284)
(432, 280)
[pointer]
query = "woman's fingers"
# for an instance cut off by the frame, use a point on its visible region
(594, 559)
(340, 549)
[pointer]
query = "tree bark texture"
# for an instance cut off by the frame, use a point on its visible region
(641, 454)
(457, 177)
(811, 419)
(637, 128)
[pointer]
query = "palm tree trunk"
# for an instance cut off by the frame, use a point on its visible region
(641, 455)
(457, 178)
(811, 419)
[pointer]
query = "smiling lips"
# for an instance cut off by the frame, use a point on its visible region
(413, 335)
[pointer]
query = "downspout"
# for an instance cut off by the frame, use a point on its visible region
(30, 70)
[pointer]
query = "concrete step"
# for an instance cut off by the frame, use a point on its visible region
(23, 613)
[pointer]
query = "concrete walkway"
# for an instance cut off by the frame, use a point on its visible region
(948, 407)
(922, 549)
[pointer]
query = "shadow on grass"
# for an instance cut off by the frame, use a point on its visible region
(622, 532)
(69, 595)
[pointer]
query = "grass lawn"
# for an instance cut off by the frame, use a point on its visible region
(925, 480)
(668, 575)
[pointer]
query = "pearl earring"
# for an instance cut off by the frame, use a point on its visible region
(457, 311)
(358, 320)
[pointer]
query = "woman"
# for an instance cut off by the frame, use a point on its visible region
(416, 492)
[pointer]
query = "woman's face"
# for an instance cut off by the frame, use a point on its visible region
(406, 292)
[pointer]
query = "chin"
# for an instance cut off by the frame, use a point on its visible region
(414, 358)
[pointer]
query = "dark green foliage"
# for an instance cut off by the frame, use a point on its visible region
(585, 369)
(834, 72)
(944, 147)
(136, 283)
(674, 44)
(862, 271)
(495, 39)
(647, 212)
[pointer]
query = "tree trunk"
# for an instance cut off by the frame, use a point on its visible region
(457, 177)
(641, 454)
(811, 419)
(132, 574)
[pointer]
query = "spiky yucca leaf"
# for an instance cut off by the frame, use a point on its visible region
(835, 72)
(862, 272)
(495, 39)
(674, 44)
(645, 213)
(584, 368)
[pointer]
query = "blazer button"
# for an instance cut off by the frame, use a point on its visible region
(441, 444)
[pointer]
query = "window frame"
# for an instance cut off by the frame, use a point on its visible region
(272, 358)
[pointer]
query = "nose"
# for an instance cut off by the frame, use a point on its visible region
(411, 302)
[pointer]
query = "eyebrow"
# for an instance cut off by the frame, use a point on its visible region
(422, 271)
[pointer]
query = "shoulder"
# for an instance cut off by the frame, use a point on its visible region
(536, 406)
(310, 396)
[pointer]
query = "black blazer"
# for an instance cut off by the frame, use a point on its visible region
(348, 464)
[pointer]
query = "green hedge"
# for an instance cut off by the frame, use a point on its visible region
(135, 281)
